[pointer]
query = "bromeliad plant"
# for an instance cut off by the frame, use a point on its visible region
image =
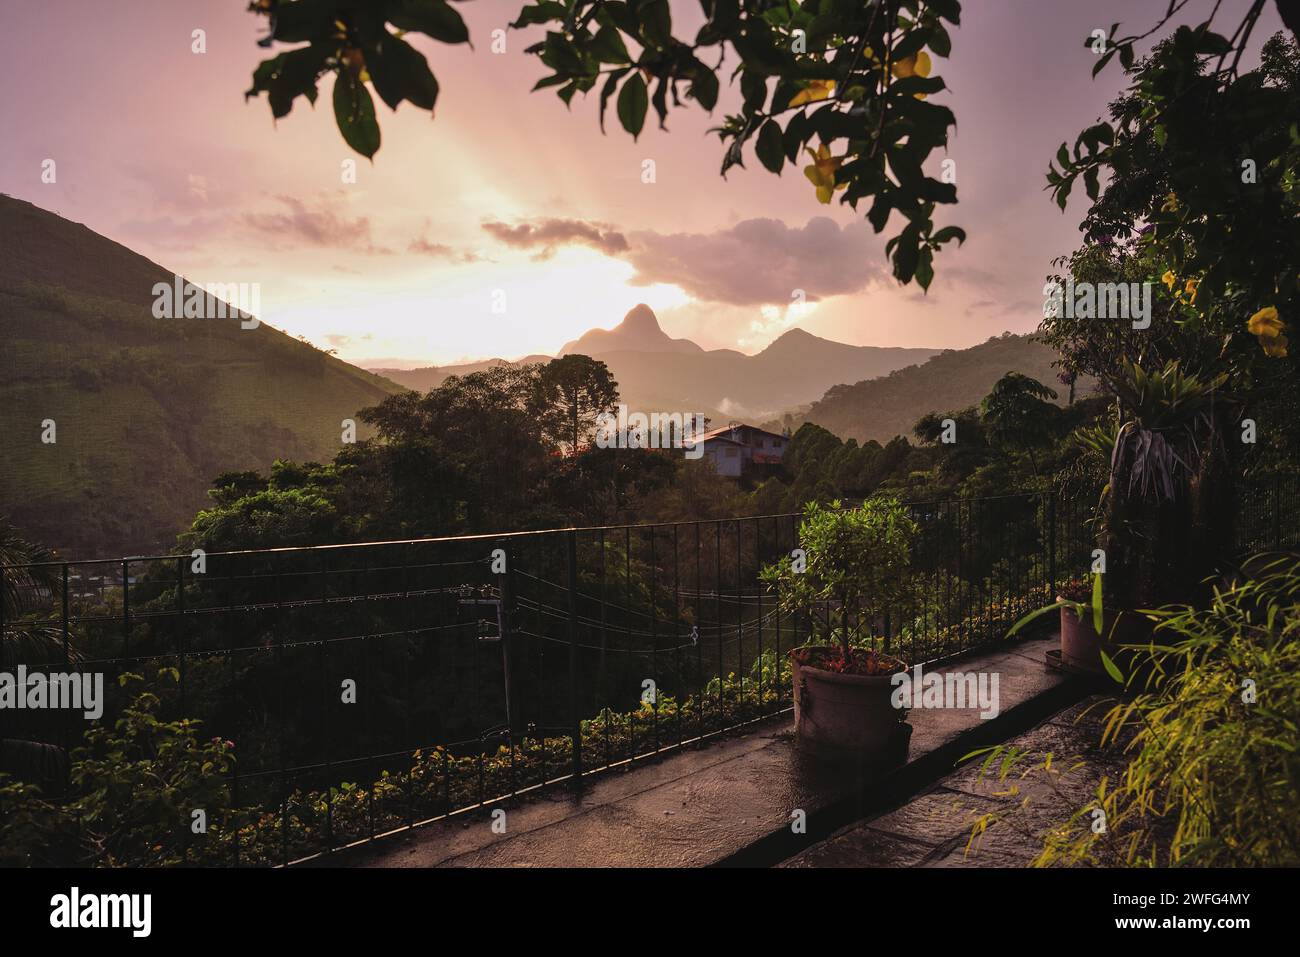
(850, 572)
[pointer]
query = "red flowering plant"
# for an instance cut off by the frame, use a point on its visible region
(850, 571)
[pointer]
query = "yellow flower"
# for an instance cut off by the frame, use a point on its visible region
(918, 64)
(1169, 279)
(822, 173)
(814, 91)
(1269, 328)
(1190, 289)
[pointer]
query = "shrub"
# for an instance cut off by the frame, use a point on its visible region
(856, 560)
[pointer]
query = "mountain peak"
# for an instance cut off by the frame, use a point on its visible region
(640, 319)
(638, 332)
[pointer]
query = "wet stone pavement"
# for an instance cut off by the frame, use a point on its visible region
(933, 829)
(731, 802)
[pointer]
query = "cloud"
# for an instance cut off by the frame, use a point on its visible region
(757, 262)
(324, 222)
(761, 261)
(546, 235)
(425, 247)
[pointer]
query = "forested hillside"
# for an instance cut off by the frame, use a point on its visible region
(146, 411)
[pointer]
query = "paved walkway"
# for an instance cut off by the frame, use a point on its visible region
(729, 802)
(934, 828)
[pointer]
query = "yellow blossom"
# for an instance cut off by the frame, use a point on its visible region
(822, 173)
(1169, 279)
(1269, 329)
(918, 64)
(814, 91)
(1189, 288)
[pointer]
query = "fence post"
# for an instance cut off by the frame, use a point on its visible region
(571, 543)
(1051, 542)
(507, 591)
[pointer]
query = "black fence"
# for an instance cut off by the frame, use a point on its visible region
(373, 687)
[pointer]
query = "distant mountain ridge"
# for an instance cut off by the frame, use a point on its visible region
(147, 411)
(656, 372)
(953, 380)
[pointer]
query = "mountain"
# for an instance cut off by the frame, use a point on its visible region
(954, 379)
(146, 411)
(430, 377)
(657, 373)
(638, 332)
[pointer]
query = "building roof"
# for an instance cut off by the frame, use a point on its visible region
(718, 433)
(711, 437)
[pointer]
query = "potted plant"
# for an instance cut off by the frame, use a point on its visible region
(849, 572)
(1093, 633)
(1088, 629)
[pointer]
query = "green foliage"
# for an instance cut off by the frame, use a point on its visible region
(1018, 414)
(24, 576)
(485, 452)
(572, 392)
(856, 558)
(852, 77)
(1212, 773)
(135, 784)
(1199, 162)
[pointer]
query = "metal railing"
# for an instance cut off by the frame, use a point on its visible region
(447, 674)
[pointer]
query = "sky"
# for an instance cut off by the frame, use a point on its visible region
(506, 224)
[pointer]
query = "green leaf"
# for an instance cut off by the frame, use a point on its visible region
(286, 77)
(400, 72)
(608, 47)
(1038, 613)
(304, 20)
(925, 267)
(949, 233)
(633, 101)
(912, 42)
(1090, 181)
(940, 42)
(753, 87)
(656, 22)
(542, 12)
(433, 17)
(1098, 612)
(354, 111)
(611, 84)
(949, 10)
(1111, 668)
(704, 87)
(1101, 63)
(769, 146)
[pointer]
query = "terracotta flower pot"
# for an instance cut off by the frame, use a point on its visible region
(1081, 646)
(846, 717)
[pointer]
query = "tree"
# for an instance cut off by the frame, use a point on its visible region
(1201, 203)
(1018, 414)
(572, 392)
